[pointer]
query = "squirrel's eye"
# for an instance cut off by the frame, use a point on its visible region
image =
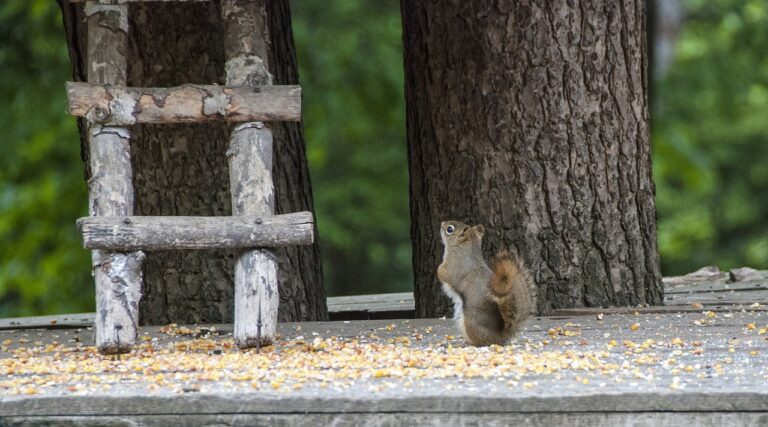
(450, 229)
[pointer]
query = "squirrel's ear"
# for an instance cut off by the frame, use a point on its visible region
(479, 229)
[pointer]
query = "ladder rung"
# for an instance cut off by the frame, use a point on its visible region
(117, 105)
(132, 233)
(134, 1)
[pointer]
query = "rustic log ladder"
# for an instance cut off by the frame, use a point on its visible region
(117, 238)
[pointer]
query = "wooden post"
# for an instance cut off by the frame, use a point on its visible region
(250, 168)
(118, 276)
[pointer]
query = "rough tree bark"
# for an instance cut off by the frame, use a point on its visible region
(182, 169)
(531, 118)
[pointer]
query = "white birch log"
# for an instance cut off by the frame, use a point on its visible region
(156, 233)
(118, 276)
(250, 167)
(108, 2)
(256, 293)
(118, 279)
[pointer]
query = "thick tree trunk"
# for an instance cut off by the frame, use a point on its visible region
(531, 118)
(182, 170)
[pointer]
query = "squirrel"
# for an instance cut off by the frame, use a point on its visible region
(489, 304)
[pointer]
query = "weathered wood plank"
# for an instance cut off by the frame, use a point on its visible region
(372, 306)
(455, 418)
(395, 297)
(119, 105)
(662, 327)
(733, 297)
(58, 321)
(716, 336)
(166, 233)
(724, 380)
(118, 276)
(380, 306)
(375, 303)
(709, 274)
(748, 285)
(428, 400)
(746, 274)
(357, 315)
(402, 303)
(719, 307)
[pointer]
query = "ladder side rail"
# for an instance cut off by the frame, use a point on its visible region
(250, 153)
(117, 275)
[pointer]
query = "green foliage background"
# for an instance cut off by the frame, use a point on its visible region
(351, 70)
(710, 140)
(710, 136)
(42, 266)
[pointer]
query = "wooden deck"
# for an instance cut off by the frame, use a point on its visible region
(671, 367)
(706, 289)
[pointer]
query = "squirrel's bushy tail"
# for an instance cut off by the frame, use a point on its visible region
(513, 289)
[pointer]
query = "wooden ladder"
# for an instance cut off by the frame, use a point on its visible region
(118, 238)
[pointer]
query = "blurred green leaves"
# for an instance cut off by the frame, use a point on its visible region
(351, 70)
(710, 135)
(43, 268)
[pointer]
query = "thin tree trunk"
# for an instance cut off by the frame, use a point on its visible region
(183, 170)
(531, 118)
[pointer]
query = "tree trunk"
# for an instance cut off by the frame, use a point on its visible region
(182, 170)
(531, 118)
